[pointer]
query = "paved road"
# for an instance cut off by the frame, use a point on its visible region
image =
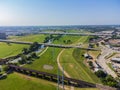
(48, 44)
(80, 34)
(102, 61)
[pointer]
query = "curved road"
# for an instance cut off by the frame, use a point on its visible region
(102, 61)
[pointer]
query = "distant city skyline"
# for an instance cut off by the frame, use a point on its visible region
(59, 12)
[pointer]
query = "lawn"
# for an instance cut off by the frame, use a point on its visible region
(18, 81)
(7, 50)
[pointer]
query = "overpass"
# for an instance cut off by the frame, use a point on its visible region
(52, 77)
(48, 44)
(78, 34)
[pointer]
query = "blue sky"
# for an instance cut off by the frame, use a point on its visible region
(59, 12)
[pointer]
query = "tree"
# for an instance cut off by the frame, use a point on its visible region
(97, 44)
(23, 59)
(25, 51)
(91, 45)
(34, 46)
(110, 81)
(33, 55)
(68, 41)
(101, 74)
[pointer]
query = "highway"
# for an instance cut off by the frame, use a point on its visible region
(79, 34)
(48, 44)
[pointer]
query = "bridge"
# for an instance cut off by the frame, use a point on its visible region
(78, 34)
(52, 77)
(48, 44)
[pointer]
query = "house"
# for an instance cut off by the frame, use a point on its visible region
(86, 55)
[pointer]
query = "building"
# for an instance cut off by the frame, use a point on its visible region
(116, 60)
(3, 36)
(86, 55)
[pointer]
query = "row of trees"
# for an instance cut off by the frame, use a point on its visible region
(106, 79)
(28, 59)
(28, 53)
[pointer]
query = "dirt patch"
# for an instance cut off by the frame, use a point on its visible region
(48, 67)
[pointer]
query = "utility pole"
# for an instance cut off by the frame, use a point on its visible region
(63, 77)
(58, 78)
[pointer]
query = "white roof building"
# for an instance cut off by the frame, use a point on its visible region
(115, 59)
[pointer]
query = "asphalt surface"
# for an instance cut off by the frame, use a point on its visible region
(102, 61)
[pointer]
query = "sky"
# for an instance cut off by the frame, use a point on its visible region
(59, 12)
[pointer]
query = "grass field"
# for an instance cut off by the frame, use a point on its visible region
(74, 64)
(48, 58)
(70, 58)
(29, 38)
(67, 37)
(7, 50)
(18, 81)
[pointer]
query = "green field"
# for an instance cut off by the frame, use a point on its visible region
(18, 81)
(48, 58)
(67, 37)
(29, 38)
(71, 58)
(74, 64)
(79, 70)
(7, 50)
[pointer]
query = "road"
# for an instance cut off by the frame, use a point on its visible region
(102, 61)
(49, 44)
(79, 34)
